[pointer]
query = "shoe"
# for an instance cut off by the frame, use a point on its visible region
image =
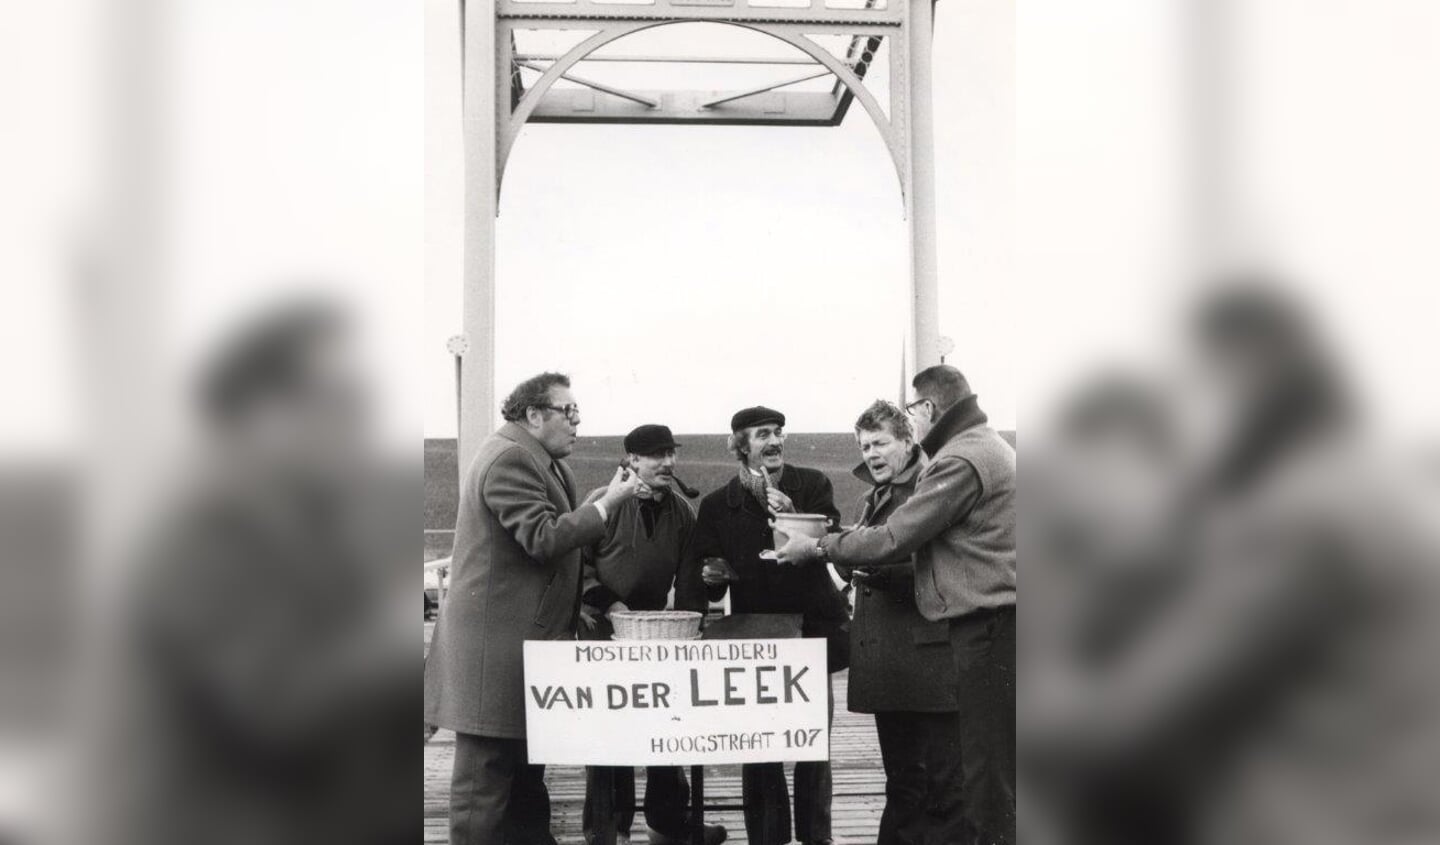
(714, 835)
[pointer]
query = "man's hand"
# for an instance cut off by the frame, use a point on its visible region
(587, 617)
(779, 502)
(714, 572)
(619, 605)
(623, 486)
(798, 550)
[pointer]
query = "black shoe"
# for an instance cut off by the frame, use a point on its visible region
(714, 835)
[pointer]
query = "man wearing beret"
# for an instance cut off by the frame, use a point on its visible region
(731, 531)
(632, 568)
(960, 526)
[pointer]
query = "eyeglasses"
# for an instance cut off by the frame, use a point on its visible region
(910, 409)
(571, 411)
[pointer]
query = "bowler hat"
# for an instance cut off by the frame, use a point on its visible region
(649, 439)
(758, 415)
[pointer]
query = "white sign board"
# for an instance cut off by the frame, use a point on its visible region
(676, 702)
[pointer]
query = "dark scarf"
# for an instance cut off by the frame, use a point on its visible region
(650, 507)
(965, 414)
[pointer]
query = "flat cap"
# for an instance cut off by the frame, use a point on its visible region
(649, 439)
(758, 415)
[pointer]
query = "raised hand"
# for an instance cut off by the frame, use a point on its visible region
(623, 486)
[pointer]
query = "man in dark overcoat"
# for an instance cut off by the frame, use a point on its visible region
(733, 526)
(900, 663)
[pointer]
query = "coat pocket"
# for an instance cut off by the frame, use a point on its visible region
(539, 618)
(930, 633)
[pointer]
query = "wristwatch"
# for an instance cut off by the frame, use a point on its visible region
(824, 553)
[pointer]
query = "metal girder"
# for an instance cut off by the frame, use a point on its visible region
(809, 27)
(697, 10)
(677, 60)
(777, 108)
(598, 86)
(730, 98)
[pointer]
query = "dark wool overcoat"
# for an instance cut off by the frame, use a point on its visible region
(733, 525)
(899, 660)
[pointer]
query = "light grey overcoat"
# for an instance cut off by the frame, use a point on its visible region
(515, 577)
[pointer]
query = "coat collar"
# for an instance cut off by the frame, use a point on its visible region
(905, 476)
(965, 415)
(518, 434)
(735, 494)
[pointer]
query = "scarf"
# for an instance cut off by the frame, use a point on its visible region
(755, 484)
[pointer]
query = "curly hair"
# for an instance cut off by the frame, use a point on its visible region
(881, 415)
(739, 444)
(531, 393)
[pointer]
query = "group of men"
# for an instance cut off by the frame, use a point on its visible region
(931, 647)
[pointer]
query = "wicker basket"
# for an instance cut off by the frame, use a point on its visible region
(655, 624)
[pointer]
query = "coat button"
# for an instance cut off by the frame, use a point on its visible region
(867, 591)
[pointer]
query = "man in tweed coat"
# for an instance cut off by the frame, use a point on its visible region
(515, 577)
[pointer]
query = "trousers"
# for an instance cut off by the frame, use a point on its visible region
(667, 798)
(921, 753)
(496, 796)
(983, 646)
(767, 800)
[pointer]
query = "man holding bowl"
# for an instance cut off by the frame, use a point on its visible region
(960, 527)
(732, 529)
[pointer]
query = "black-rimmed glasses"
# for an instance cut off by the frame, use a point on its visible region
(571, 411)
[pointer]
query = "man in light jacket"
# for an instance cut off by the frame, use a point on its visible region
(960, 527)
(515, 577)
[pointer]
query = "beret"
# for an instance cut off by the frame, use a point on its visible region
(649, 439)
(758, 415)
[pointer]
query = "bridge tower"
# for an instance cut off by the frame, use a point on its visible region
(506, 85)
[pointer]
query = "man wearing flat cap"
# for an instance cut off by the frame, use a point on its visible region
(632, 568)
(731, 531)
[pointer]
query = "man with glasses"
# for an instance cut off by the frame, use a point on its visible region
(960, 526)
(515, 577)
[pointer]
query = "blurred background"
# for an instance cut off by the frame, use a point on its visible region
(1187, 242)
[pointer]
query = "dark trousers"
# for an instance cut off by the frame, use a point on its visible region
(667, 798)
(767, 800)
(496, 797)
(984, 649)
(921, 753)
